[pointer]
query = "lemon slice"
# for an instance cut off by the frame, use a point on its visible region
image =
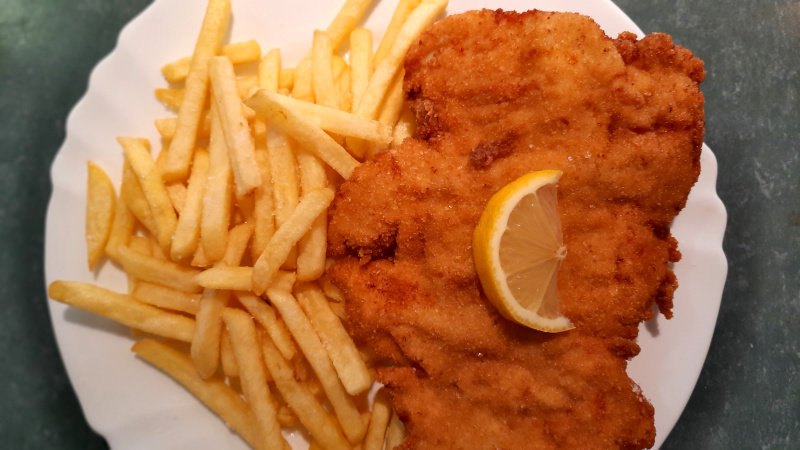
(518, 250)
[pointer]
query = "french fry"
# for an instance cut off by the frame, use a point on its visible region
(322, 78)
(393, 103)
(238, 237)
(405, 128)
(167, 298)
(177, 195)
(389, 111)
(234, 126)
(206, 339)
(226, 357)
(303, 88)
(269, 71)
(287, 236)
(309, 411)
(395, 432)
(154, 270)
(381, 413)
(307, 134)
(217, 197)
(312, 247)
(131, 192)
(287, 78)
(399, 17)
(284, 175)
(263, 313)
(122, 228)
(187, 232)
(137, 153)
(122, 308)
(343, 95)
(346, 19)
(245, 84)
(213, 29)
(360, 62)
(171, 97)
(214, 393)
(224, 277)
(328, 119)
(100, 211)
(309, 343)
(419, 19)
(247, 349)
(238, 52)
(263, 206)
(166, 128)
(340, 347)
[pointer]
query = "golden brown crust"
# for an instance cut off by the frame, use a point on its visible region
(496, 95)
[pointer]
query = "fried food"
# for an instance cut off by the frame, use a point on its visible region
(497, 95)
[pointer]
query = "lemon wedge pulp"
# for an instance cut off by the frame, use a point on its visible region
(518, 249)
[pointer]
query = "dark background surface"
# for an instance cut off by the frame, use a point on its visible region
(748, 395)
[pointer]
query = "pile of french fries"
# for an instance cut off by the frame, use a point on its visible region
(223, 233)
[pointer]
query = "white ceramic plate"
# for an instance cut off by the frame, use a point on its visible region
(135, 406)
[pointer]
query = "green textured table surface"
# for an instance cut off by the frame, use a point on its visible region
(748, 395)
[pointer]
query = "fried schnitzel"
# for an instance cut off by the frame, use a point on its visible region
(497, 95)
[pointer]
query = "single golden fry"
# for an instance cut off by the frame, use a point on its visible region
(269, 71)
(312, 247)
(238, 238)
(122, 228)
(343, 95)
(100, 210)
(234, 126)
(381, 413)
(346, 19)
(399, 17)
(309, 343)
(177, 194)
(360, 62)
(131, 192)
(245, 84)
(206, 340)
(224, 277)
(152, 269)
(307, 134)
(215, 25)
(217, 197)
(238, 52)
(167, 298)
(287, 79)
(171, 97)
(263, 313)
(303, 88)
(287, 236)
(214, 393)
(137, 153)
(395, 432)
(322, 78)
(122, 308)
(419, 19)
(328, 119)
(284, 175)
(187, 232)
(405, 128)
(247, 349)
(166, 128)
(263, 206)
(300, 399)
(390, 110)
(340, 347)
(226, 357)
